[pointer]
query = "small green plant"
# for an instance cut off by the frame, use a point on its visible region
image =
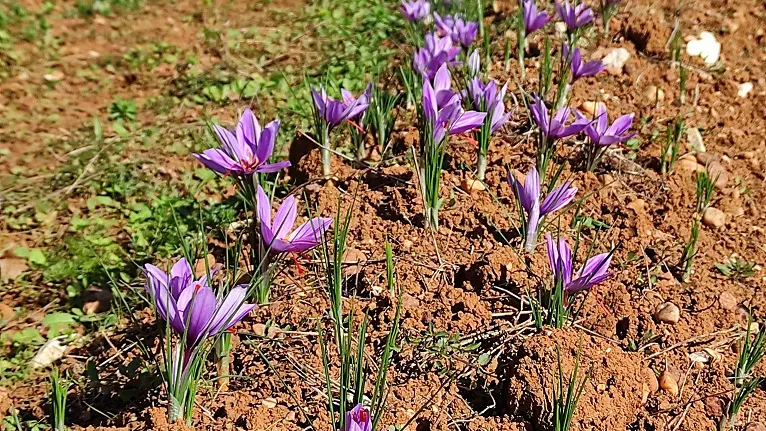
(566, 396)
(381, 116)
(58, 393)
(705, 190)
(635, 345)
(671, 148)
(350, 400)
(123, 110)
(683, 72)
(745, 383)
(736, 268)
(546, 70)
(690, 252)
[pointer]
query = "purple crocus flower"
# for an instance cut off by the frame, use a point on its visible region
(277, 233)
(574, 17)
(460, 31)
(245, 151)
(437, 51)
(442, 86)
(595, 270)
(335, 112)
(578, 67)
(447, 117)
(190, 306)
(363, 101)
(533, 19)
(358, 419)
(486, 98)
(602, 134)
(554, 128)
(528, 195)
(415, 10)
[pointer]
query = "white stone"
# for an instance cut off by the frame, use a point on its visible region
(744, 89)
(706, 47)
(51, 352)
(615, 60)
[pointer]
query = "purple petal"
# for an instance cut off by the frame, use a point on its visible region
(468, 120)
(231, 310)
(273, 167)
(263, 207)
(309, 234)
(218, 161)
(531, 191)
(265, 144)
(180, 277)
(558, 198)
(202, 309)
(285, 217)
(248, 132)
(620, 125)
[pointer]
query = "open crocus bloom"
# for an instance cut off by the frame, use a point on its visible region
(556, 127)
(602, 134)
(190, 306)
(578, 67)
(574, 17)
(528, 195)
(358, 419)
(335, 112)
(447, 117)
(245, 151)
(533, 19)
(595, 270)
(278, 234)
(459, 30)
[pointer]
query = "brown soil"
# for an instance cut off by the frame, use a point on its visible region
(465, 280)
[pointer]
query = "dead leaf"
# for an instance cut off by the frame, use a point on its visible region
(12, 267)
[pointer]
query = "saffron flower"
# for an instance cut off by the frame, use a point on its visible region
(602, 134)
(556, 127)
(578, 67)
(574, 17)
(190, 306)
(245, 151)
(335, 112)
(528, 196)
(442, 86)
(415, 10)
(595, 270)
(533, 19)
(460, 31)
(358, 419)
(363, 101)
(437, 51)
(278, 234)
(447, 117)
(486, 98)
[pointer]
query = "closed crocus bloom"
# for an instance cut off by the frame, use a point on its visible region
(595, 270)
(578, 67)
(358, 419)
(474, 63)
(556, 127)
(602, 134)
(528, 195)
(486, 98)
(415, 10)
(190, 306)
(278, 234)
(245, 151)
(533, 19)
(574, 17)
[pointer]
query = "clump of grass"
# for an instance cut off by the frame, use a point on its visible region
(566, 396)
(671, 148)
(58, 392)
(705, 190)
(381, 117)
(745, 383)
(690, 251)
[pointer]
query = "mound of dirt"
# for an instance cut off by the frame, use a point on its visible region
(615, 380)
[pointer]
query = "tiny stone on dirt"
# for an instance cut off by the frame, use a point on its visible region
(668, 313)
(694, 140)
(615, 60)
(713, 217)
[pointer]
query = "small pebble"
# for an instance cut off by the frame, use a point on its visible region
(727, 301)
(472, 185)
(714, 407)
(669, 383)
(668, 313)
(694, 140)
(615, 60)
(654, 94)
(651, 379)
(713, 217)
(744, 89)
(590, 107)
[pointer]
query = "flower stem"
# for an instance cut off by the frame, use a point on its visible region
(326, 164)
(482, 166)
